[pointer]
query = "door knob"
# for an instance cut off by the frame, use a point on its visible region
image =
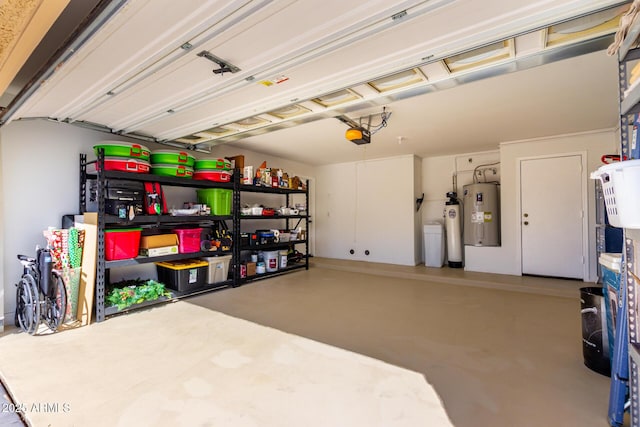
(367, 252)
(526, 215)
(526, 223)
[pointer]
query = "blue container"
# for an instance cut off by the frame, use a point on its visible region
(634, 147)
(611, 290)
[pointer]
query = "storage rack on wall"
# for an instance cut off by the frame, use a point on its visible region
(287, 192)
(630, 105)
(156, 221)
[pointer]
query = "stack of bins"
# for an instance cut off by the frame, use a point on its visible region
(124, 157)
(217, 170)
(172, 163)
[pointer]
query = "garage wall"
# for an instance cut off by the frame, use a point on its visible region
(437, 180)
(40, 171)
(39, 184)
(595, 144)
(363, 207)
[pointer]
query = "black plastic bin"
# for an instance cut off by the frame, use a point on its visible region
(595, 340)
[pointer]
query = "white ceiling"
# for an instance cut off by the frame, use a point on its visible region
(574, 95)
(139, 73)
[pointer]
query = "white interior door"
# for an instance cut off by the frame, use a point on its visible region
(551, 198)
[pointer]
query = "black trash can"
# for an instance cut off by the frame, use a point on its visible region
(595, 340)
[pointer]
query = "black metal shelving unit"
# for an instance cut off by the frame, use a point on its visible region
(158, 221)
(287, 192)
(629, 105)
(281, 271)
(146, 221)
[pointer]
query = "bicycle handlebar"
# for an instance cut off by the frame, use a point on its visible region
(26, 258)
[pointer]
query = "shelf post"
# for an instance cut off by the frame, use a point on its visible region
(100, 267)
(624, 118)
(308, 236)
(82, 197)
(237, 240)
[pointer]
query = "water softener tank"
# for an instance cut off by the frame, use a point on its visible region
(452, 224)
(481, 214)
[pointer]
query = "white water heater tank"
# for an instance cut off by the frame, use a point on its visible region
(481, 214)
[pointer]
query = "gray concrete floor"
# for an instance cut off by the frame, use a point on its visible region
(499, 350)
(8, 417)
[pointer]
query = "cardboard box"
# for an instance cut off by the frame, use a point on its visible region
(165, 250)
(251, 269)
(238, 161)
(159, 245)
(296, 183)
(247, 175)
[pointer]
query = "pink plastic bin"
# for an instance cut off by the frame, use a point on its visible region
(188, 239)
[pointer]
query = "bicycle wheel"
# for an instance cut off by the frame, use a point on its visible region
(28, 304)
(56, 310)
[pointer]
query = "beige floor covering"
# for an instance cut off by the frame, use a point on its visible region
(494, 357)
(183, 365)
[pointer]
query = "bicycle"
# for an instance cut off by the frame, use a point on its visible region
(41, 294)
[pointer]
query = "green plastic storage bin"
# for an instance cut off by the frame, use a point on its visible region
(172, 157)
(221, 164)
(218, 199)
(179, 171)
(124, 150)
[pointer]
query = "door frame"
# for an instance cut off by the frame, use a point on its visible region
(585, 206)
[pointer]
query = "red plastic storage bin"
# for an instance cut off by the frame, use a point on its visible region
(213, 175)
(125, 165)
(122, 243)
(188, 239)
